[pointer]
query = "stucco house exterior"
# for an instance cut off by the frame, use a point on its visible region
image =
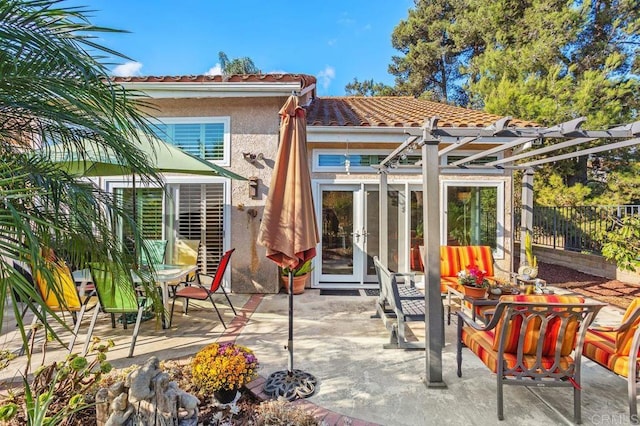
(233, 121)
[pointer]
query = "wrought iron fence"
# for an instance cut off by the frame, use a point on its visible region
(579, 228)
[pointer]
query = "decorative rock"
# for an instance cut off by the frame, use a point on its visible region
(147, 397)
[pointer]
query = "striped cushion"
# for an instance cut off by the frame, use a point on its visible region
(479, 256)
(532, 327)
(480, 343)
(625, 338)
(449, 282)
(600, 346)
(449, 261)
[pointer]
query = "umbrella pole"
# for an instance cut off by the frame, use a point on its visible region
(290, 384)
(290, 341)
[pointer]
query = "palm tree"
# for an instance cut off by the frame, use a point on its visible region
(55, 89)
(242, 65)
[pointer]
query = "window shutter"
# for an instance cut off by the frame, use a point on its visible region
(201, 216)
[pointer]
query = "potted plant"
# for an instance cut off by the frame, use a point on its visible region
(529, 269)
(222, 369)
(300, 276)
(473, 281)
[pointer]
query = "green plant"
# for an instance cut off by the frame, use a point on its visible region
(473, 277)
(528, 250)
(303, 269)
(622, 244)
(281, 412)
(223, 366)
(59, 390)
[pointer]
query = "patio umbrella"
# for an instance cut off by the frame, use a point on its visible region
(95, 160)
(289, 230)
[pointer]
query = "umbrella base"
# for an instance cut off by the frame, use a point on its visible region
(290, 384)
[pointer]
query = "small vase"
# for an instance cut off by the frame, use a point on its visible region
(225, 396)
(475, 292)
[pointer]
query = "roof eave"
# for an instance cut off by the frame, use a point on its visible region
(213, 90)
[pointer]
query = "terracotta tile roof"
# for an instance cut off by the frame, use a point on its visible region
(305, 80)
(396, 111)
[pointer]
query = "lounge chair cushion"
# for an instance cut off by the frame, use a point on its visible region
(481, 344)
(449, 262)
(600, 346)
(478, 256)
(625, 338)
(532, 332)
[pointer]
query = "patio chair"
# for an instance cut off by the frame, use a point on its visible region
(116, 295)
(198, 291)
(154, 253)
(531, 341)
(60, 295)
(618, 350)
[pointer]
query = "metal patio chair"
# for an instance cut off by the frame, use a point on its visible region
(198, 291)
(116, 295)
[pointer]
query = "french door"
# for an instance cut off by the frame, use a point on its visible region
(349, 234)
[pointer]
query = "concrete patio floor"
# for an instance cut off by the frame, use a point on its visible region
(337, 341)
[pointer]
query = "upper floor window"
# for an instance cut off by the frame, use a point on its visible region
(205, 137)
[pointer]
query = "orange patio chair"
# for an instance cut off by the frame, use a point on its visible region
(531, 341)
(198, 291)
(618, 349)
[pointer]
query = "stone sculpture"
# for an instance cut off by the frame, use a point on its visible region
(147, 398)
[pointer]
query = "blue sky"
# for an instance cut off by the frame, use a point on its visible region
(332, 40)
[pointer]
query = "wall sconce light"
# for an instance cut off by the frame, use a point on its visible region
(253, 187)
(251, 157)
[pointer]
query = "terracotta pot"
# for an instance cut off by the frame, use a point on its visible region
(475, 292)
(298, 283)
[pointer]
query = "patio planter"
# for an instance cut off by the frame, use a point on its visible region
(299, 283)
(475, 292)
(225, 396)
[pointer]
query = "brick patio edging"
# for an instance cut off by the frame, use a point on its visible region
(256, 386)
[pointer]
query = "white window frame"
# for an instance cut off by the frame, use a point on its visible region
(316, 167)
(500, 213)
(226, 120)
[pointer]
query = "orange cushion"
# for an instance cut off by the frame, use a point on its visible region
(480, 343)
(478, 256)
(600, 346)
(449, 282)
(449, 261)
(625, 338)
(532, 327)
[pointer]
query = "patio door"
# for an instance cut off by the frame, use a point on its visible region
(349, 235)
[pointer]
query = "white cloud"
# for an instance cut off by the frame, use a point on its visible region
(215, 70)
(326, 76)
(127, 69)
(332, 41)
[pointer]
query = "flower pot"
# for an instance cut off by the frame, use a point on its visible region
(298, 283)
(475, 292)
(225, 396)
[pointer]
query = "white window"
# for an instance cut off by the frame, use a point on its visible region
(205, 137)
(194, 211)
(474, 214)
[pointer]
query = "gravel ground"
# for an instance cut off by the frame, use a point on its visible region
(614, 292)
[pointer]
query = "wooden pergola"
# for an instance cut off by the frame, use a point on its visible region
(514, 144)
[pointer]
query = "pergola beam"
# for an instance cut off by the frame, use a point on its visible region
(580, 153)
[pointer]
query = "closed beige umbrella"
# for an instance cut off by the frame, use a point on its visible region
(289, 230)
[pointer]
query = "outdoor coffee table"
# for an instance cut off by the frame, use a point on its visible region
(474, 303)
